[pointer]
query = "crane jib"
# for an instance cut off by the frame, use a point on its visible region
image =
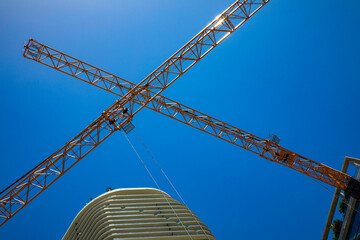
(133, 99)
(119, 115)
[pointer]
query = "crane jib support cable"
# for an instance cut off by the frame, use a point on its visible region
(122, 111)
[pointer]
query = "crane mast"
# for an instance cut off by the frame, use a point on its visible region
(121, 112)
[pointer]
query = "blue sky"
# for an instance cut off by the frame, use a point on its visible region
(291, 70)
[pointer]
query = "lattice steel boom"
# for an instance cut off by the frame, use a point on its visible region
(19, 194)
(264, 148)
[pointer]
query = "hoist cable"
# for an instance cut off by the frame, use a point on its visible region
(148, 171)
(172, 185)
(343, 197)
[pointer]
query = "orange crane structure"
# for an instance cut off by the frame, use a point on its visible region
(134, 97)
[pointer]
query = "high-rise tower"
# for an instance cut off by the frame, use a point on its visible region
(137, 213)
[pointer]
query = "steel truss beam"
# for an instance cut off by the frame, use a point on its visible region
(19, 194)
(264, 148)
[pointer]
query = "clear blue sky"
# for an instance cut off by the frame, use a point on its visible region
(292, 70)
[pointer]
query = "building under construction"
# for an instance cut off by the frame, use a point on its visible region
(348, 227)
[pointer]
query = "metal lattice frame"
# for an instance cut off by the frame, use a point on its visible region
(18, 195)
(192, 117)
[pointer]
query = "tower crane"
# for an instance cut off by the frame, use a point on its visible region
(134, 97)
